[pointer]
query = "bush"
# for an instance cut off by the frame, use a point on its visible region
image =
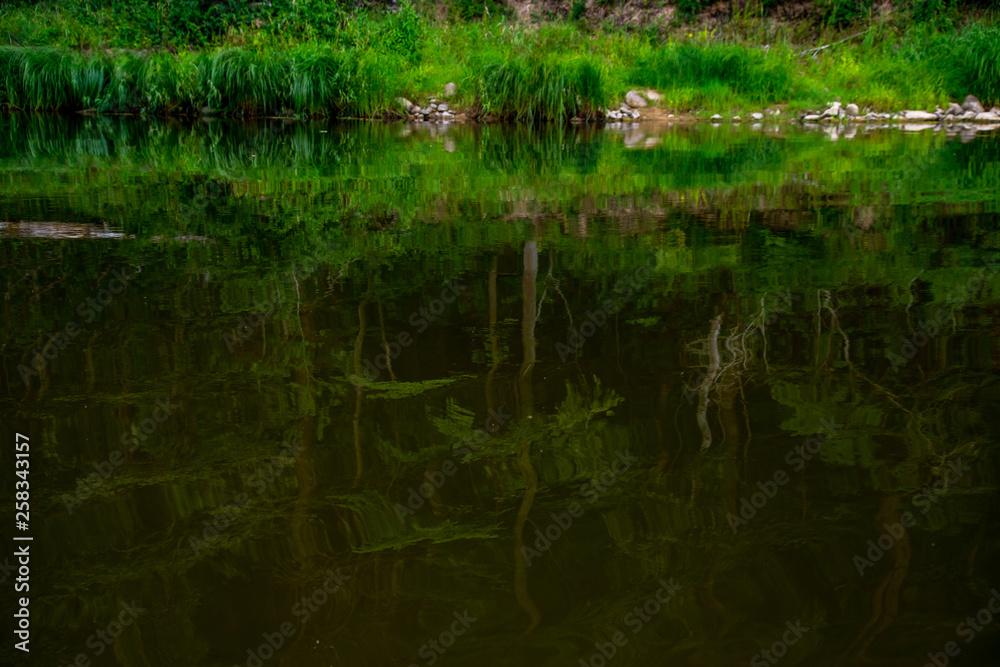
(840, 13)
(402, 32)
(926, 10)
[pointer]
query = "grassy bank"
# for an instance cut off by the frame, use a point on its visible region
(502, 68)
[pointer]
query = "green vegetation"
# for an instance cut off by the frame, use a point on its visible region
(700, 74)
(317, 58)
(542, 88)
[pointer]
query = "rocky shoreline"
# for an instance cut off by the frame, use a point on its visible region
(637, 107)
(971, 109)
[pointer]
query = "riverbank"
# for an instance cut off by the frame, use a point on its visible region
(496, 69)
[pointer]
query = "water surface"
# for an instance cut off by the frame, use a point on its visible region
(670, 395)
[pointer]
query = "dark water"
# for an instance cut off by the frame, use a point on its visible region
(676, 398)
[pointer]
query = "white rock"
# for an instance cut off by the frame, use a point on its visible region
(737, 119)
(756, 115)
(635, 113)
(442, 107)
(987, 115)
(450, 89)
(716, 117)
(832, 112)
(811, 118)
(653, 96)
(852, 109)
(972, 103)
(954, 109)
(634, 99)
(919, 115)
(405, 103)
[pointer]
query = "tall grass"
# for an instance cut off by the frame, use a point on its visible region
(510, 72)
(308, 80)
(713, 73)
(536, 88)
(249, 82)
(969, 60)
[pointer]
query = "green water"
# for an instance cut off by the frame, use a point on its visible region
(673, 394)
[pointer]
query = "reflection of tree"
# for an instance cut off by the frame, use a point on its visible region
(526, 412)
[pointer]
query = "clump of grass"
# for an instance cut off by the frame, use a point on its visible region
(969, 60)
(345, 83)
(536, 88)
(37, 79)
(249, 82)
(318, 80)
(717, 73)
(156, 84)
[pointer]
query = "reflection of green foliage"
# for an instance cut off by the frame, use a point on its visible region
(398, 390)
(441, 533)
(335, 219)
(579, 409)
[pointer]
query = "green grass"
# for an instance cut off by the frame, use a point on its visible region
(309, 80)
(358, 64)
(716, 73)
(535, 88)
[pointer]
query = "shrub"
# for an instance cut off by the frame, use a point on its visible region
(402, 32)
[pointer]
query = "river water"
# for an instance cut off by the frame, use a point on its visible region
(309, 394)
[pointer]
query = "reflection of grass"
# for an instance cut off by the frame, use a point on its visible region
(206, 176)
